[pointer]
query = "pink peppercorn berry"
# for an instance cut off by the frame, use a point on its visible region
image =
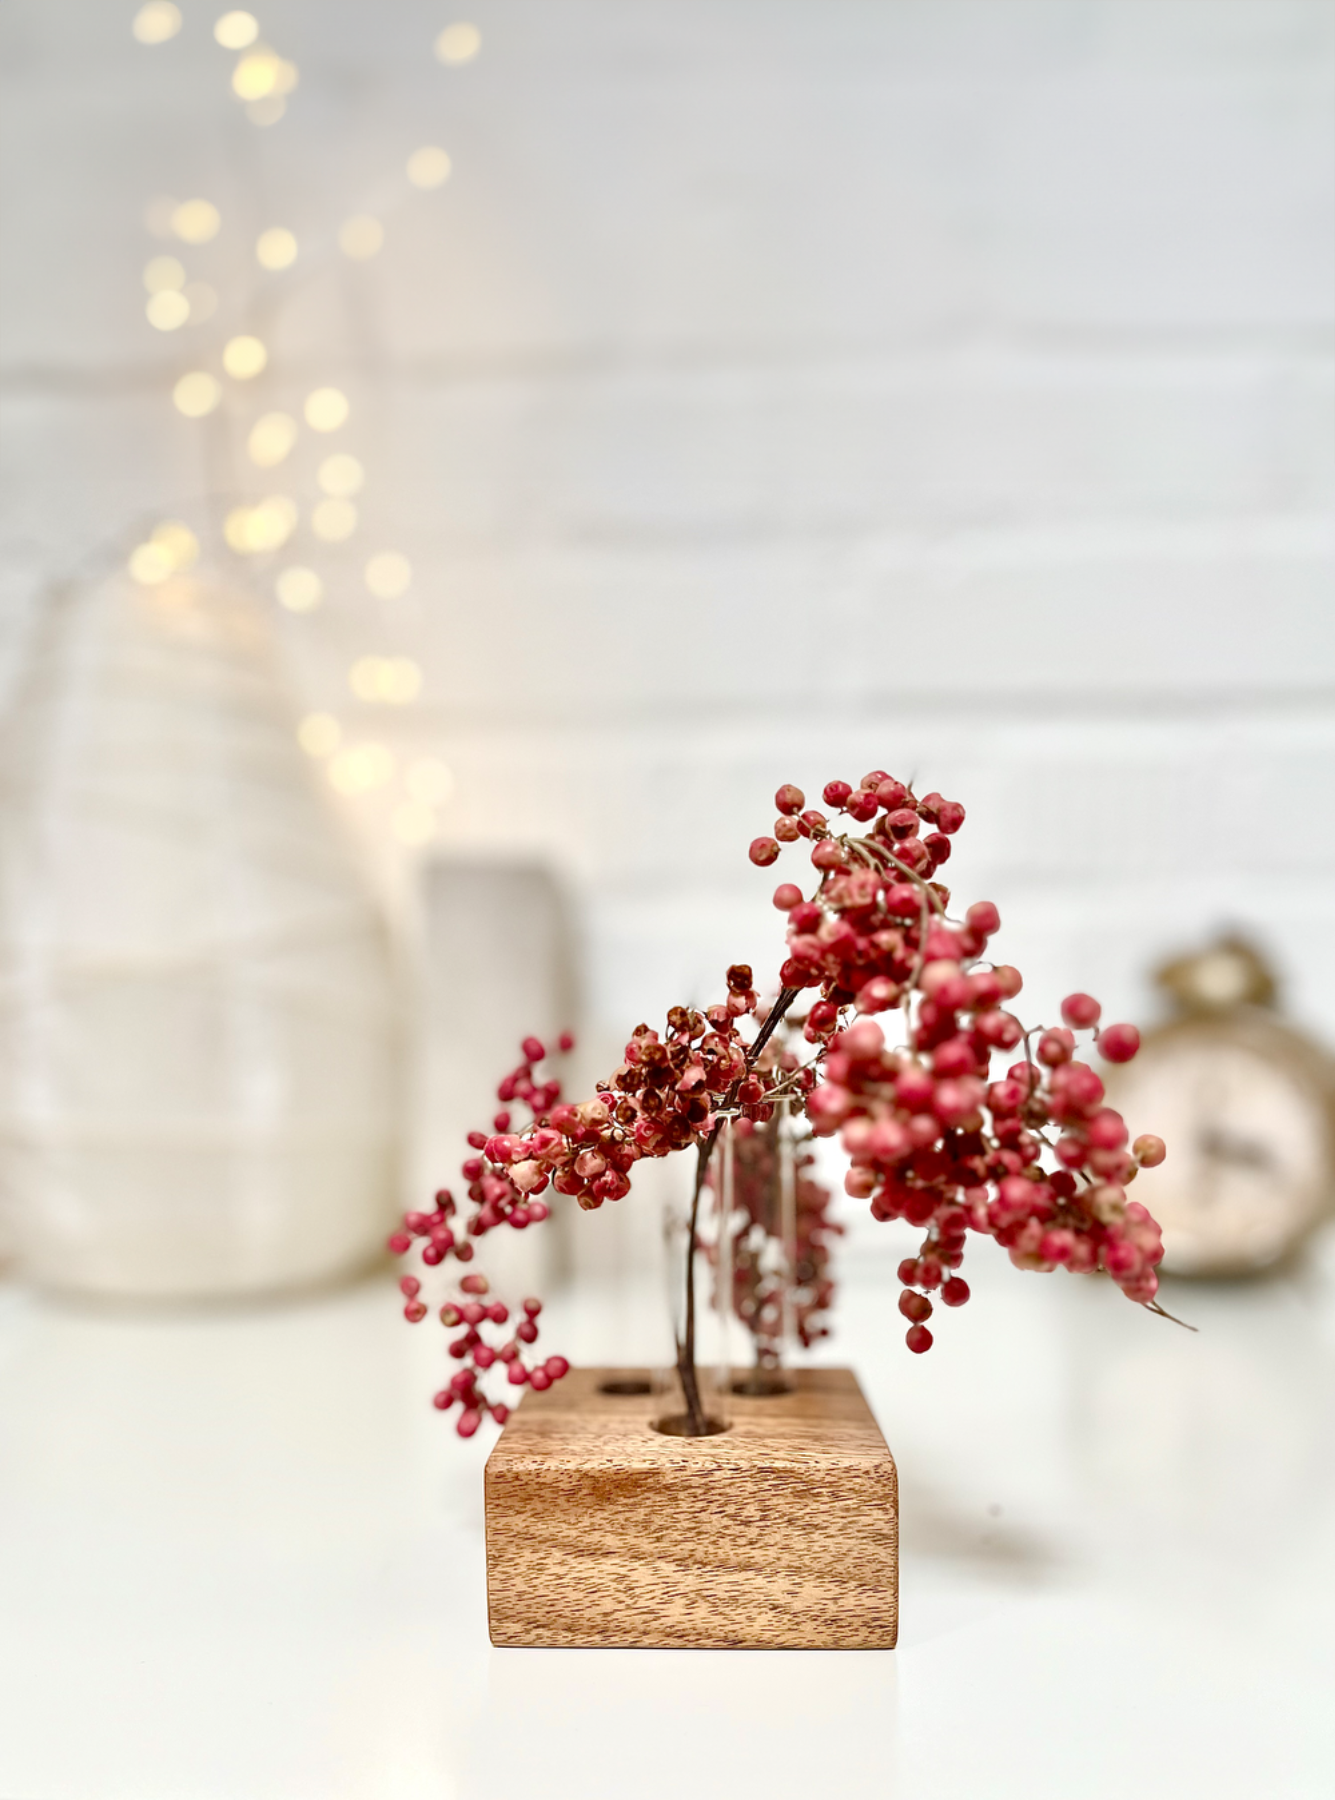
(1080, 1011)
(1118, 1043)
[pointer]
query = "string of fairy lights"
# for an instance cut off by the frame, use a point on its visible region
(260, 532)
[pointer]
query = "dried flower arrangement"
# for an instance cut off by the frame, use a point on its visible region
(1033, 1158)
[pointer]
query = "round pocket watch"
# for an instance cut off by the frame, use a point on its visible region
(1244, 1103)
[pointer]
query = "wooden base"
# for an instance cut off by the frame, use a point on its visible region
(780, 1533)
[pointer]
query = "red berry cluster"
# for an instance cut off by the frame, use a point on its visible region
(934, 1139)
(897, 815)
(477, 1355)
(662, 1098)
(864, 938)
(495, 1198)
(942, 1149)
(664, 1095)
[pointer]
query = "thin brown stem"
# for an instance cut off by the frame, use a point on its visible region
(697, 1424)
(1154, 1307)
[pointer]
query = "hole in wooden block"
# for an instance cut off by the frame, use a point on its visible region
(678, 1425)
(628, 1386)
(763, 1384)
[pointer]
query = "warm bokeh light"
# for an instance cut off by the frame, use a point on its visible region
(150, 564)
(430, 781)
(389, 680)
(414, 823)
(163, 273)
(334, 520)
(236, 527)
(299, 590)
(360, 237)
(276, 248)
(156, 22)
(197, 393)
(429, 166)
(458, 44)
(173, 546)
(341, 475)
(273, 521)
(196, 221)
(244, 357)
(255, 75)
(319, 734)
(261, 73)
(179, 542)
(326, 409)
(271, 439)
(253, 530)
(236, 30)
(388, 575)
(360, 768)
(202, 301)
(167, 310)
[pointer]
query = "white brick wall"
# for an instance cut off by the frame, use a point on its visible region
(775, 391)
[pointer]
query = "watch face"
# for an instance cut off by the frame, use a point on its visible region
(1248, 1166)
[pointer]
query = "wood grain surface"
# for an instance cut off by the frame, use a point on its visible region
(780, 1533)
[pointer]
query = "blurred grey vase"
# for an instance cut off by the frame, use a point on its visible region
(199, 1035)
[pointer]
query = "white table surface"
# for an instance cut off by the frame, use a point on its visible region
(241, 1559)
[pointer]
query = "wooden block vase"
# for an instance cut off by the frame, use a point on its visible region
(779, 1533)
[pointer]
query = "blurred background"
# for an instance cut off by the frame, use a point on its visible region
(455, 467)
(728, 394)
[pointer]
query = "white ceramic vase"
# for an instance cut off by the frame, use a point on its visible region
(199, 1033)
